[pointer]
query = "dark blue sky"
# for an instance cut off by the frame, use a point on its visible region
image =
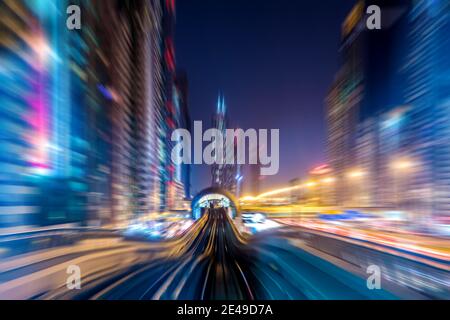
(274, 60)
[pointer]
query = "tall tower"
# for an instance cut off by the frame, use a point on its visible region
(220, 122)
(224, 175)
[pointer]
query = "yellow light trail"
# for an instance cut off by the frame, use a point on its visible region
(306, 185)
(278, 191)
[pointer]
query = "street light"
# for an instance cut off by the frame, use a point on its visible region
(356, 174)
(310, 184)
(328, 180)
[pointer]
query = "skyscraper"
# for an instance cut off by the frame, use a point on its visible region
(427, 93)
(225, 176)
(184, 118)
(133, 40)
(394, 148)
(220, 122)
(144, 110)
(24, 129)
(367, 86)
(88, 113)
(343, 103)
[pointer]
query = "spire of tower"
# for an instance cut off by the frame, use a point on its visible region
(221, 108)
(224, 109)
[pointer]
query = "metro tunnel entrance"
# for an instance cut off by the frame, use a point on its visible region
(214, 198)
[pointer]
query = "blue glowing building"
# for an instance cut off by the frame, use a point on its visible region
(24, 114)
(388, 111)
(428, 96)
(226, 176)
(86, 115)
(367, 86)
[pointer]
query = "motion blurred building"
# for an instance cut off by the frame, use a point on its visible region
(227, 176)
(252, 178)
(316, 189)
(182, 88)
(44, 66)
(387, 110)
(173, 189)
(428, 95)
(296, 195)
(21, 37)
(86, 115)
(365, 87)
(135, 85)
(321, 185)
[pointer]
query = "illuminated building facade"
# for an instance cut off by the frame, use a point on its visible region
(87, 115)
(387, 119)
(322, 185)
(24, 112)
(50, 62)
(131, 42)
(366, 88)
(343, 103)
(175, 177)
(184, 119)
(146, 109)
(428, 95)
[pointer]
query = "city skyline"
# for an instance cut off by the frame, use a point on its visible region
(243, 151)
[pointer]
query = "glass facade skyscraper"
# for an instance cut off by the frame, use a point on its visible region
(87, 118)
(388, 111)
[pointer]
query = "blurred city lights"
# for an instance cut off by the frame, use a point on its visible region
(310, 184)
(328, 180)
(356, 174)
(403, 164)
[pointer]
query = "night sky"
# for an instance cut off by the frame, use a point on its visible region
(274, 60)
